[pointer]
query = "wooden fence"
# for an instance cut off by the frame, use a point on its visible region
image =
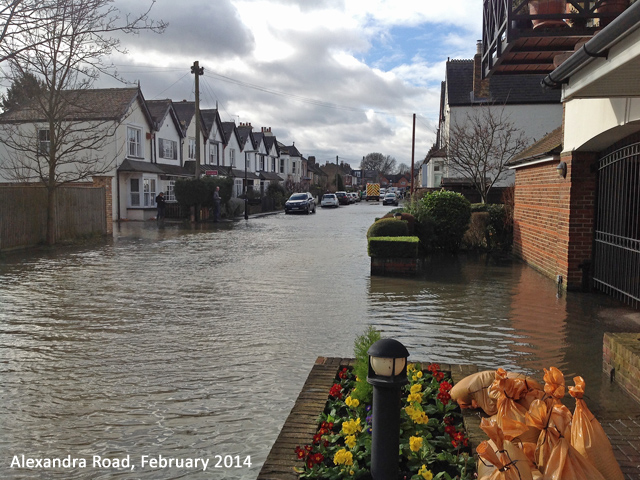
(80, 211)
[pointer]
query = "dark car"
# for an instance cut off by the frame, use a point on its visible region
(390, 199)
(343, 198)
(300, 202)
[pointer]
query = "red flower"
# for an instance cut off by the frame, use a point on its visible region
(444, 397)
(317, 438)
(433, 368)
(301, 453)
(438, 376)
(308, 448)
(310, 462)
(318, 458)
(445, 386)
(450, 429)
(448, 420)
(343, 373)
(336, 391)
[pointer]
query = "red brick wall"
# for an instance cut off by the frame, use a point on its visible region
(553, 217)
(105, 182)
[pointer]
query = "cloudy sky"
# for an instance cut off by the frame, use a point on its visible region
(337, 77)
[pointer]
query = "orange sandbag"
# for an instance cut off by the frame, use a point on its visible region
(511, 416)
(507, 451)
(471, 392)
(497, 465)
(554, 383)
(565, 462)
(543, 415)
(588, 437)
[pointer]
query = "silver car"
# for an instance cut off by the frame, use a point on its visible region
(329, 200)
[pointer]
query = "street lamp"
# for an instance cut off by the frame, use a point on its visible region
(387, 374)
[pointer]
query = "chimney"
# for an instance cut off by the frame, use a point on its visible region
(480, 86)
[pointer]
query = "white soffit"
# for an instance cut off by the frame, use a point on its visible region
(615, 76)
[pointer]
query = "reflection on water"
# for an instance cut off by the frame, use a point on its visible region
(194, 342)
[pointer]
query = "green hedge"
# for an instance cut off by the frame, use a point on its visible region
(499, 231)
(196, 191)
(449, 213)
(393, 247)
(388, 227)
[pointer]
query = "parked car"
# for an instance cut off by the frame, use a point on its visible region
(343, 198)
(390, 199)
(329, 200)
(300, 202)
(355, 196)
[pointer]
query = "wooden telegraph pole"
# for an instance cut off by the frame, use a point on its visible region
(413, 152)
(197, 70)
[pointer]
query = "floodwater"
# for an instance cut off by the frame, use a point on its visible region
(190, 343)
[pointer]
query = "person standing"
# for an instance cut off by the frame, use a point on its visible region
(161, 204)
(216, 204)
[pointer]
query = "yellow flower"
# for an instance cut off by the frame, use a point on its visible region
(352, 402)
(350, 441)
(352, 473)
(415, 443)
(416, 388)
(351, 426)
(415, 397)
(426, 474)
(343, 457)
(411, 367)
(419, 374)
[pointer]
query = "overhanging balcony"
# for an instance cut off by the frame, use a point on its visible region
(527, 36)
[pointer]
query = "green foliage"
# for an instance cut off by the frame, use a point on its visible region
(388, 227)
(402, 215)
(476, 236)
(450, 213)
(393, 247)
(498, 233)
(277, 192)
(196, 191)
(22, 91)
(339, 183)
(364, 391)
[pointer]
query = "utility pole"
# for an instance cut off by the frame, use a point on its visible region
(413, 152)
(197, 70)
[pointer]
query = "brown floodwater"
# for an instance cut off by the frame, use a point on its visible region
(193, 342)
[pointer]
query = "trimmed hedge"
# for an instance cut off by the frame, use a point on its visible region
(450, 213)
(393, 247)
(388, 227)
(407, 217)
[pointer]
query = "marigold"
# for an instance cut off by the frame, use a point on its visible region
(415, 443)
(351, 426)
(419, 374)
(415, 397)
(426, 474)
(416, 388)
(350, 441)
(343, 457)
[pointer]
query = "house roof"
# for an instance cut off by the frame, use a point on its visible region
(269, 141)
(245, 133)
(83, 105)
(503, 89)
(270, 176)
(547, 146)
(186, 112)
(140, 167)
(159, 109)
(290, 150)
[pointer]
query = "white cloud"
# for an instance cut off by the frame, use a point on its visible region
(345, 86)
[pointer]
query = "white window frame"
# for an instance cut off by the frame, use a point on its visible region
(134, 195)
(238, 186)
(232, 157)
(44, 141)
(262, 163)
(213, 154)
(168, 149)
(191, 154)
(273, 164)
(282, 165)
(170, 194)
(293, 168)
(134, 142)
(149, 186)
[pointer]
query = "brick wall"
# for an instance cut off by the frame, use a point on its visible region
(105, 182)
(553, 216)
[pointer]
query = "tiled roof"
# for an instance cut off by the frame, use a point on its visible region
(270, 176)
(158, 109)
(140, 167)
(228, 128)
(209, 117)
(93, 104)
(547, 146)
(185, 111)
(504, 89)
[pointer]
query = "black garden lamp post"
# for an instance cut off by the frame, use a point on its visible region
(387, 374)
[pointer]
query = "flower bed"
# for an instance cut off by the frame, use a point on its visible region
(433, 443)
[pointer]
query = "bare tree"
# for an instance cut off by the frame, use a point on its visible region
(58, 137)
(382, 164)
(403, 168)
(480, 145)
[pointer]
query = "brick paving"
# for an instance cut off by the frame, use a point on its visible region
(622, 428)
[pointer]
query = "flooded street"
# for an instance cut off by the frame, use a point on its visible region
(194, 342)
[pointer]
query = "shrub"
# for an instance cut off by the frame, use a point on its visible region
(407, 217)
(393, 247)
(450, 213)
(476, 235)
(196, 191)
(499, 228)
(388, 227)
(277, 192)
(364, 390)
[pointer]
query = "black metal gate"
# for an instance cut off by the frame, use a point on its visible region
(617, 235)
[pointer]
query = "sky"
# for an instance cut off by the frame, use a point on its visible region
(338, 78)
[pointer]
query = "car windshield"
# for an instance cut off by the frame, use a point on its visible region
(329, 195)
(390, 195)
(298, 196)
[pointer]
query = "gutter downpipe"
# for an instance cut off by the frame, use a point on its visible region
(623, 25)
